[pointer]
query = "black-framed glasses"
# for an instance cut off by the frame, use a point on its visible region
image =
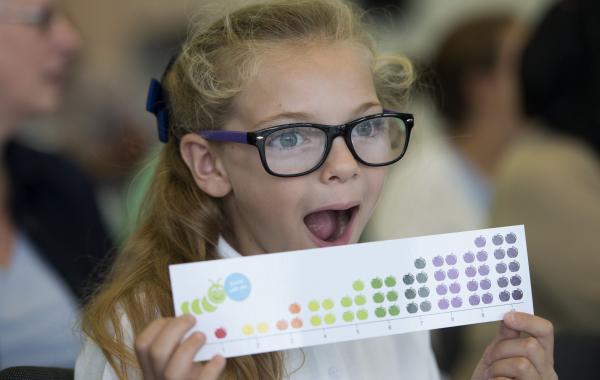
(292, 150)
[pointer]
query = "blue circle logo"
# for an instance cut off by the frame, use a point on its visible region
(237, 286)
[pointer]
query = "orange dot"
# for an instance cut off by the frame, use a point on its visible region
(296, 323)
(295, 308)
(282, 325)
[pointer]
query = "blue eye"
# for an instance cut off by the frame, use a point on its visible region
(287, 140)
(369, 128)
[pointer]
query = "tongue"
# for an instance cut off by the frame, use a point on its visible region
(322, 224)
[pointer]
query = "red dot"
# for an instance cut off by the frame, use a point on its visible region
(220, 333)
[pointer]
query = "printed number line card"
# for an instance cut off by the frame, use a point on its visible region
(316, 296)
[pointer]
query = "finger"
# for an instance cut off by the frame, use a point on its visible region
(143, 343)
(513, 368)
(182, 360)
(529, 348)
(538, 327)
(168, 340)
(212, 370)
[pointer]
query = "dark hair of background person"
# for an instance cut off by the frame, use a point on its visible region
(561, 71)
(471, 48)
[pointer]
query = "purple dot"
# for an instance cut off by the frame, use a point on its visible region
(515, 280)
(513, 266)
(451, 259)
(438, 261)
(453, 273)
(511, 238)
(472, 285)
(456, 302)
(499, 253)
(454, 287)
(441, 289)
(474, 300)
(469, 257)
(470, 271)
(439, 275)
(503, 282)
(504, 296)
(443, 304)
(498, 239)
(485, 284)
(487, 298)
(482, 255)
(512, 252)
(480, 242)
(500, 268)
(517, 294)
(484, 270)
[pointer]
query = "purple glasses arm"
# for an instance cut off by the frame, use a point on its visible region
(225, 136)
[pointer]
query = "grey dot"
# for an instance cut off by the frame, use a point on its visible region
(472, 285)
(453, 273)
(512, 252)
(511, 238)
(470, 271)
(485, 284)
(443, 304)
(454, 287)
(439, 275)
(423, 292)
(499, 253)
(482, 255)
(517, 294)
(412, 308)
(515, 280)
(480, 242)
(484, 270)
(408, 279)
(441, 289)
(503, 282)
(469, 257)
(497, 240)
(422, 277)
(410, 293)
(474, 300)
(420, 263)
(456, 302)
(425, 306)
(487, 298)
(438, 261)
(451, 259)
(501, 268)
(513, 266)
(504, 296)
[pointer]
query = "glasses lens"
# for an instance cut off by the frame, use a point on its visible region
(294, 150)
(380, 140)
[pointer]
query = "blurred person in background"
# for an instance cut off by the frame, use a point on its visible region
(448, 188)
(51, 235)
(550, 181)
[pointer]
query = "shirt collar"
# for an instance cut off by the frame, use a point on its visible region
(226, 251)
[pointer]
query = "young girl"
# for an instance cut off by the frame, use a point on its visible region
(215, 195)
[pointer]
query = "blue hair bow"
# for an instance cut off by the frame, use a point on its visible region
(157, 105)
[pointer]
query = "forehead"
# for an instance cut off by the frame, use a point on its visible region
(318, 79)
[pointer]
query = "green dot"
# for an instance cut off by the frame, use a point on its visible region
(376, 283)
(408, 279)
(348, 316)
(392, 296)
(315, 320)
(362, 314)
(329, 319)
(358, 285)
(360, 300)
(346, 301)
(328, 304)
(394, 310)
(380, 312)
(313, 305)
(410, 293)
(390, 281)
(378, 297)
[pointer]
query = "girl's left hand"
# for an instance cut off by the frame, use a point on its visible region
(511, 356)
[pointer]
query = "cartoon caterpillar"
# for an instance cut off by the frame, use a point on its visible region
(216, 296)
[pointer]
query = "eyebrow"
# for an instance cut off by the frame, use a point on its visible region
(306, 116)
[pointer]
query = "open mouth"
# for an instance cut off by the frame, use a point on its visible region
(331, 227)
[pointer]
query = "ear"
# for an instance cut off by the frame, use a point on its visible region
(205, 165)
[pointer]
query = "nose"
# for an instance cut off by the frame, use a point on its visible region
(340, 165)
(66, 38)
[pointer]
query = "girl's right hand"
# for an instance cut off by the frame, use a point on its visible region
(162, 354)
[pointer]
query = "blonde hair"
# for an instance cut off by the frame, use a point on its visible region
(180, 223)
